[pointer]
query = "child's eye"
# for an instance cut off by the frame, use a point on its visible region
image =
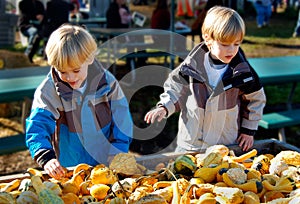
(76, 71)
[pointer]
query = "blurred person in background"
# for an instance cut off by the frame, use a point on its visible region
(161, 17)
(118, 15)
(30, 24)
(263, 12)
(57, 13)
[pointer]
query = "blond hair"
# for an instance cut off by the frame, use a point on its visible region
(224, 25)
(70, 46)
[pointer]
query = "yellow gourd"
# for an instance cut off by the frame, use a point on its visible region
(208, 174)
(73, 185)
(245, 156)
(234, 195)
(285, 184)
(251, 198)
(207, 198)
(70, 198)
(101, 174)
(253, 185)
(14, 184)
(99, 191)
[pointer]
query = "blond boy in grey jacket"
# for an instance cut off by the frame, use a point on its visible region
(217, 92)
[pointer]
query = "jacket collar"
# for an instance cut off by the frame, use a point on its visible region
(95, 80)
(239, 71)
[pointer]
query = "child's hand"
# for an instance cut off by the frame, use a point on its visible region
(54, 169)
(245, 141)
(158, 113)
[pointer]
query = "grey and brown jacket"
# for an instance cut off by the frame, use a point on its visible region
(213, 116)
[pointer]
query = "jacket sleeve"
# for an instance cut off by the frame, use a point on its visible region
(122, 124)
(253, 103)
(40, 125)
(176, 90)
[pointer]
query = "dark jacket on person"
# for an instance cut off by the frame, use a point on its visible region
(29, 9)
(113, 18)
(57, 13)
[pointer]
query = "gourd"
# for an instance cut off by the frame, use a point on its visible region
(185, 198)
(207, 198)
(208, 174)
(8, 187)
(5, 197)
(272, 195)
(151, 199)
(184, 165)
(176, 195)
(45, 195)
(34, 172)
(162, 184)
(70, 198)
(253, 185)
(73, 185)
(99, 191)
(166, 193)
(251, 198)
(261, 164)
(243, 157)
(213, 158)
(117, 200)
(101, 174)
(285, 184)
(85, 187)
(53, 187)
(27, 197)
(234, 195)
(253, 174)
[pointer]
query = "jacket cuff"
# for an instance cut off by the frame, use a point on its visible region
(164, 107)
(44, 156)
(248, 131)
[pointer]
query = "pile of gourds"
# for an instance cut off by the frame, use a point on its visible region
(217, 176)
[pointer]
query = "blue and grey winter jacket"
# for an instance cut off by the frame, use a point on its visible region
(77, 127)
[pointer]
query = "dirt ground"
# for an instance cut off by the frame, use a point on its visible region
(20, 161)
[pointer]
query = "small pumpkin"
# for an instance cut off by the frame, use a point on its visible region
(101, 174)
(99, 191)
(70, 198)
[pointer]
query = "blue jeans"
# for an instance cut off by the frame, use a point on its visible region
(34, 39)
(263, 14)
(297, 28)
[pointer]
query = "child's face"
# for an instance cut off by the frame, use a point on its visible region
(224, 51)
(74, 76)
(220, 50)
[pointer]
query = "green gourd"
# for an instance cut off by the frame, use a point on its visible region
(46, 196)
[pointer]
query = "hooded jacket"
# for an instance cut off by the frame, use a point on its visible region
(210, 116)
(77, 127)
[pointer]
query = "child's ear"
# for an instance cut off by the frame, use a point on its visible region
(90, 60)
(206, 39)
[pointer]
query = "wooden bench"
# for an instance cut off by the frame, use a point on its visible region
(276, 71)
